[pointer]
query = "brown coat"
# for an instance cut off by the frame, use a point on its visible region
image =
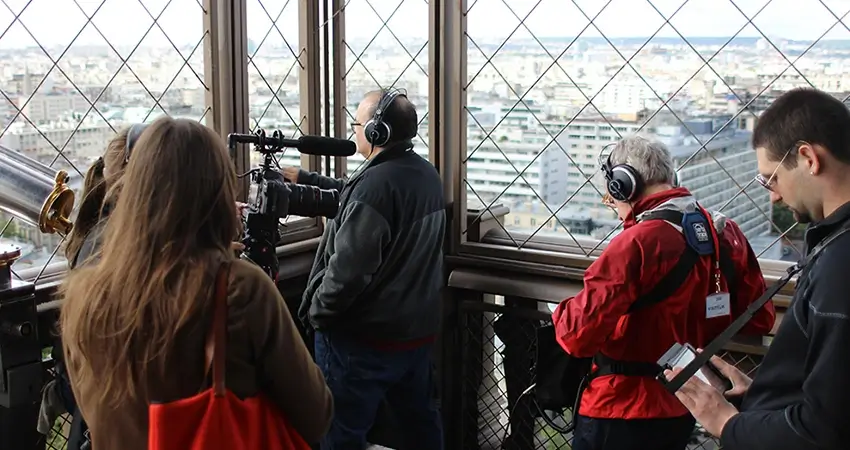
(265, 353)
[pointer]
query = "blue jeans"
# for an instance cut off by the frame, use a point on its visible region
(361, 378)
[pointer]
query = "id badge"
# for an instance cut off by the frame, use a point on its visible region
(717, 305)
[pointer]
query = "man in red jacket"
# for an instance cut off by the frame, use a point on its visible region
(631, 309)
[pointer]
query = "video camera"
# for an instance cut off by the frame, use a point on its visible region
(276, 197)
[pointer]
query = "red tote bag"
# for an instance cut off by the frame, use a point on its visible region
(216, 419)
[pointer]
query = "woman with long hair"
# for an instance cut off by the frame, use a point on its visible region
(134, 321)
(103, 174)
(81, 243)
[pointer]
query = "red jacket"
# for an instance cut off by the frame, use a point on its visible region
(631, 265)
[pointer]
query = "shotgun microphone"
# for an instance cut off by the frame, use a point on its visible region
(309, 145)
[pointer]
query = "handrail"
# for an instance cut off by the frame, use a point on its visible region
(541, 288)
(553, 290)
(562, 251)
(297, 259)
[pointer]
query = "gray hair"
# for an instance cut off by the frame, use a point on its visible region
(650, 158)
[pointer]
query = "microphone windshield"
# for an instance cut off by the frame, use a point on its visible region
(325, 146)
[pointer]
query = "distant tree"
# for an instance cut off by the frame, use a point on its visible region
(11, 230)
(783, 218)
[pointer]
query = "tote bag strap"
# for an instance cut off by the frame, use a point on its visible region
(216, 339)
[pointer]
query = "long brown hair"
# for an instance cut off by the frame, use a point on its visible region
(170, 229)
(95, 187)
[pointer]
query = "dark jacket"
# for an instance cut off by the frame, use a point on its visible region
(378, 271)
(799, 397)
(91, 244)
(322, 182)
(634, 262)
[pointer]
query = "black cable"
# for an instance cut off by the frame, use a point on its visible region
(563, 430)
(512, 411)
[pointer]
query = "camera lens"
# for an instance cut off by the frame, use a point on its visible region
(310, 201)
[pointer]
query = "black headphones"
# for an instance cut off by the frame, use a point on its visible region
(378, 132)
(133, 135)
(623, 182)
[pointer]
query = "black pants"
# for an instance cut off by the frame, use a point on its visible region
(635, 434)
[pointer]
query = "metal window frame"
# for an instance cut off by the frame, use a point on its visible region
(226, 68)
(226, 63)
(554, 255)
(449, 126)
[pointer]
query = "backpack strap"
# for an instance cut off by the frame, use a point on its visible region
(687, 261)
(216, 338)
(665, 288)
(674, 279)
(609, 366)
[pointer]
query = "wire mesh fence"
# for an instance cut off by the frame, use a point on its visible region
(546, 97)
(498, 363)
(386, 48)
(59, 433)
(75, 72)
(274, 67)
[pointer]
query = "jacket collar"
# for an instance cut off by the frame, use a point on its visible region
(653, 201)
(817, 231)
(392, 152)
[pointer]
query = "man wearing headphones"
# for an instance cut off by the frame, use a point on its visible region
(373, 295)
(675, 274)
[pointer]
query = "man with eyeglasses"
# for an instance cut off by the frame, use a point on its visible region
(373, 295)
(799, 396)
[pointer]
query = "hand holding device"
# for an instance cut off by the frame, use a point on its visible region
(679, 356)
(290, 173)
(740, 381)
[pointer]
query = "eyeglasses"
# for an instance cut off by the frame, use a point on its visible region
(608, 201)
(768, 183)
(354, 126)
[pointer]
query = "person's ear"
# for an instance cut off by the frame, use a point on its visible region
(811, 157)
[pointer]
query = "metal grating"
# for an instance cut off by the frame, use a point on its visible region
(76, 71)
(541, 107)
(58, 436)
(498, 360)
(275, 61)
(386, 46)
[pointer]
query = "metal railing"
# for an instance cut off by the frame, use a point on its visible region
(496, 347)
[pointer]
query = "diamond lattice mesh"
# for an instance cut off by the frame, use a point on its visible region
(498, 363)
(75, 72)
(386, 46)
(546, 96)
(274, 67)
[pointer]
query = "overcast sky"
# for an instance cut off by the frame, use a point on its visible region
(123, 22)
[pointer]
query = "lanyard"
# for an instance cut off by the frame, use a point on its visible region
(716, 248)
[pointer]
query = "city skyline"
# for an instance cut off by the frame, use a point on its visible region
(55, 22)
(536, 155)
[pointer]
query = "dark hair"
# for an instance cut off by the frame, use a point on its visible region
(804, 114)
(400, 115)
